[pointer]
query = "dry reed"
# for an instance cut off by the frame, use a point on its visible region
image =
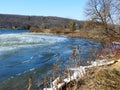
(30, 83)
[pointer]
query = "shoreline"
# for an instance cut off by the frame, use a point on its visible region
(79, 73)
(76, 75)
(76, 34)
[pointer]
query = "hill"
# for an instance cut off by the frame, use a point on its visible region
(25, 22)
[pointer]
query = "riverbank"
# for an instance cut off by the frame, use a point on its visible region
(105, 77)
(102, 78)
(101, 74)
(89, 34)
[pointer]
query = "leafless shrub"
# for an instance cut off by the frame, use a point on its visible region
(55, 69)
(45, 81)
(74, 56)
(35, 29)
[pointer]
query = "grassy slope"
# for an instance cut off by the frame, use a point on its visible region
(102, 78)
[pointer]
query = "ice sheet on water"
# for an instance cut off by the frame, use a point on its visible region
(14, 41)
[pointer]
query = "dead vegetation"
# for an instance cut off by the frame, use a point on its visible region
(101, 78)
(106, 78)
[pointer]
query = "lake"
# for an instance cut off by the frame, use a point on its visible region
(24, 54)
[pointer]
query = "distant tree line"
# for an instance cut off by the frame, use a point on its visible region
(26, 22)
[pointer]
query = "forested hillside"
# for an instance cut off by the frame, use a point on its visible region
(25, 22)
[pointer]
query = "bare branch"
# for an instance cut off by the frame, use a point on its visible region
(104, 11)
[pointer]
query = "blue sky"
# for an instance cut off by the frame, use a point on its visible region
(62, 8)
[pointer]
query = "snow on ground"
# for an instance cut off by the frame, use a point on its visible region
(79, 72)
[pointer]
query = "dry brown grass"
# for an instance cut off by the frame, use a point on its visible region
(35, 29)
(101, 78)
(117, 55)
(94, 33)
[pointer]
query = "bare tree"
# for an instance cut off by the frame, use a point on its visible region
(117, 9)
(107, 13)
(117, 5)
(72, 25)
(101, 11)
